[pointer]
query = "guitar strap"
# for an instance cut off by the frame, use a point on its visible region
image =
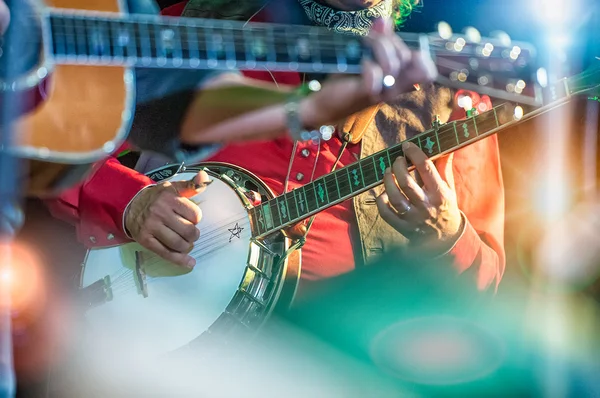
(354, 127)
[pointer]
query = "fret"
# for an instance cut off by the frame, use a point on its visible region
(486, 122)
(311, 197)
(369, 172)
(429, 143)
(214, 47)
(178, 54)
(317, 62)
(475, 125)
(344, 182)
(145, 42)
(496, 117)
(253, 49)
(340, 53)
(355, 176)
(456, 131)
(257, 227)
(163, 38)
(104, 45)
(396, 151)
(465, 130)
(301, 200)
(71, 48)
(333, 187)
(261, 219)
(271, 45)
(80, 38)
(320, 192)
(57, 37)
(229, 49)
(447, 137)
(381, 161)
(192, 46)
(273, 205)
(282, 208)
(292, 205)
(115, 30)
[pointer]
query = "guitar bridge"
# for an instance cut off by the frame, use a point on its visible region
(97, 293)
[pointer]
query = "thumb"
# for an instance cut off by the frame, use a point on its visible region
(444, 167)
(193, 186)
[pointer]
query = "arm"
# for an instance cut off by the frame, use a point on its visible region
(479, 190)
(479, 252)
(458, 214)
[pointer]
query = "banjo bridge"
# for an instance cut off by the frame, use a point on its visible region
(140, 276)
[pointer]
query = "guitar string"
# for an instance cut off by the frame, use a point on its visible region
(158, 262)
(185, 36)
(206, 234)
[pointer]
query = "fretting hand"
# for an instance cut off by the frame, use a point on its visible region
(392, 59)
(428, 216)
(163, 220)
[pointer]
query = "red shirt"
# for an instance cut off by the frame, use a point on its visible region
(97, 206)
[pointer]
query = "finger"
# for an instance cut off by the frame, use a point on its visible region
(183, 228)
(407, 184)
(444, 165)
(372, 79)
(384, 53)
(187, 209)
(395, 197)
(425, 167)
(192, 187)
(178, 258)
(422, 69)
(389, 215)
(172, 240)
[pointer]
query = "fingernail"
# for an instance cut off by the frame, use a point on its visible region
(388, 171)
(405, 145)
(191, 262)
(202, 184)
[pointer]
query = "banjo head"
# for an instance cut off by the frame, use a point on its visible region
(143, 305)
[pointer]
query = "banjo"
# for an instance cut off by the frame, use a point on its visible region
(243, 269)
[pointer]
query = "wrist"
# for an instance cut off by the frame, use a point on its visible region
(125, 219)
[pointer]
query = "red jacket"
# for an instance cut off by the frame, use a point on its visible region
(96, 207)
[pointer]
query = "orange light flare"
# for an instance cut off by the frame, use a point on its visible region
(21, 281)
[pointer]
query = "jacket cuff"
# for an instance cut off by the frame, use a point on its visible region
(125, 231)
(104, 200)
(466, 248)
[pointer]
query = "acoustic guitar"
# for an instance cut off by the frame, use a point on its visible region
(86, 83)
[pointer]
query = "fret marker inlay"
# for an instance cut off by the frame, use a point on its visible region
(466, 130)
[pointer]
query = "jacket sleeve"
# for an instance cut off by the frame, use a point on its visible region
(479, 252)
(96, 206)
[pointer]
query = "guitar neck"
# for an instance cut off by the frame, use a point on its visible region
(150, 41)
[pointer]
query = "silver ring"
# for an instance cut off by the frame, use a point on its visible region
(419, 231)
(389, 81)
(406, 210)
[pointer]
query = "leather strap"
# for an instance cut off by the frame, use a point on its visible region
(355, 126)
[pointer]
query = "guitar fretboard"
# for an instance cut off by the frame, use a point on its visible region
(149, 41)
(367, 173)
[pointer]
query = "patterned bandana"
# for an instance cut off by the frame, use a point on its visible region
(348, 22)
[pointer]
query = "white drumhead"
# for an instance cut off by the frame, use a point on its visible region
(179, 307)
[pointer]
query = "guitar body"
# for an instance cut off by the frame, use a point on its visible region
(141, 304)
(83, 112)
